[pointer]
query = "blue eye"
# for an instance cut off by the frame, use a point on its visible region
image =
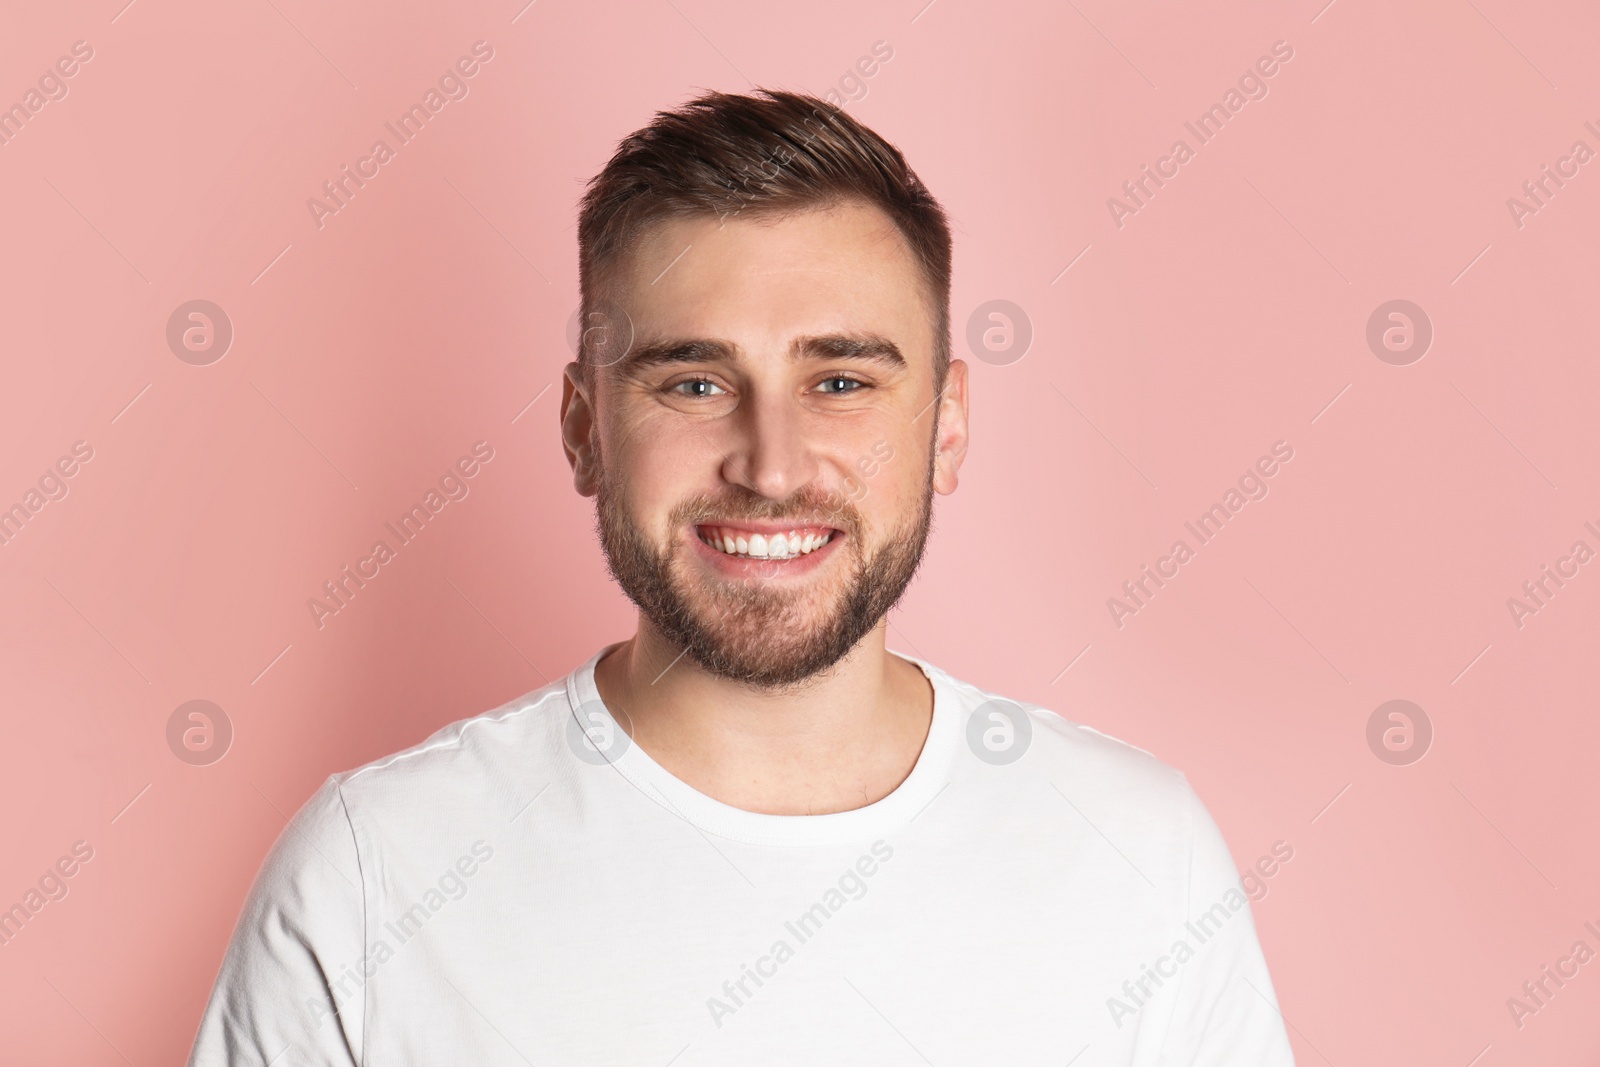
(853, 383)
(678, 386)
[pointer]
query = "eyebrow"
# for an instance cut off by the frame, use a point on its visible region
(866, 347)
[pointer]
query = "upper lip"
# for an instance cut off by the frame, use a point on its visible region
(766, 529)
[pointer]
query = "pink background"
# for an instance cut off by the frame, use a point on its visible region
(1227, 314)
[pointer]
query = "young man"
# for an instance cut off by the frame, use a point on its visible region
(750, 833)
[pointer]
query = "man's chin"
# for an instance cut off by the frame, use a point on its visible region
(769, 642)
(765, 665)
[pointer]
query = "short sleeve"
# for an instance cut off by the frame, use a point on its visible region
(1226, 1012)
(289, 991)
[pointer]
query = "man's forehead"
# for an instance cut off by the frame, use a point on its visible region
(820, 283)
(848, 249)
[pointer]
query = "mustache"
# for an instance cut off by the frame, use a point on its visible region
(815, 509)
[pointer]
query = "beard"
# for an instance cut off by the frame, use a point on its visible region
(763, 634)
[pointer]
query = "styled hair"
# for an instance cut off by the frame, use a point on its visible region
(769, 154)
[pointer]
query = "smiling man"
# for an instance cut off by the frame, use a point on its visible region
(751, 833)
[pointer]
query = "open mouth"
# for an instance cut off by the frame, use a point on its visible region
(769, 544)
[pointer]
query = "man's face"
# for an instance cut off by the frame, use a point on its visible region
(765, 453)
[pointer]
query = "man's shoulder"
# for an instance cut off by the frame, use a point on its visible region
(1072, 754)
(462, 756)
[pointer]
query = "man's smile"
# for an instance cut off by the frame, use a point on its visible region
(765, 550)
(772, 541)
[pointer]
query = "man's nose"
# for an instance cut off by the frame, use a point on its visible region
(769, 451)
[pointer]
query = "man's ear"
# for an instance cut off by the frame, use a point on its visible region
(950, 447)
(578, 429)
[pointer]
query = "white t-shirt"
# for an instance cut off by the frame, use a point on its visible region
(530, 887)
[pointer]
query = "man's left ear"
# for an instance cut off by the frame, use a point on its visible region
(951, 445)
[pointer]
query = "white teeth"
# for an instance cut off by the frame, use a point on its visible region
(759, 546)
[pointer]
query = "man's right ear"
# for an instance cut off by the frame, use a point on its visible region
(578, 429)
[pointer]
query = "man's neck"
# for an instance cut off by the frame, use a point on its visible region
(842, 743)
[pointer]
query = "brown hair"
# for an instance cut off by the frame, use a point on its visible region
(723, 153)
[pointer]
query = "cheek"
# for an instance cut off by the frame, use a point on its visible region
(899, 493)
(658, 464)
(888, 486)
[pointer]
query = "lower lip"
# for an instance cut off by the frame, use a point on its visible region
(751, 567)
